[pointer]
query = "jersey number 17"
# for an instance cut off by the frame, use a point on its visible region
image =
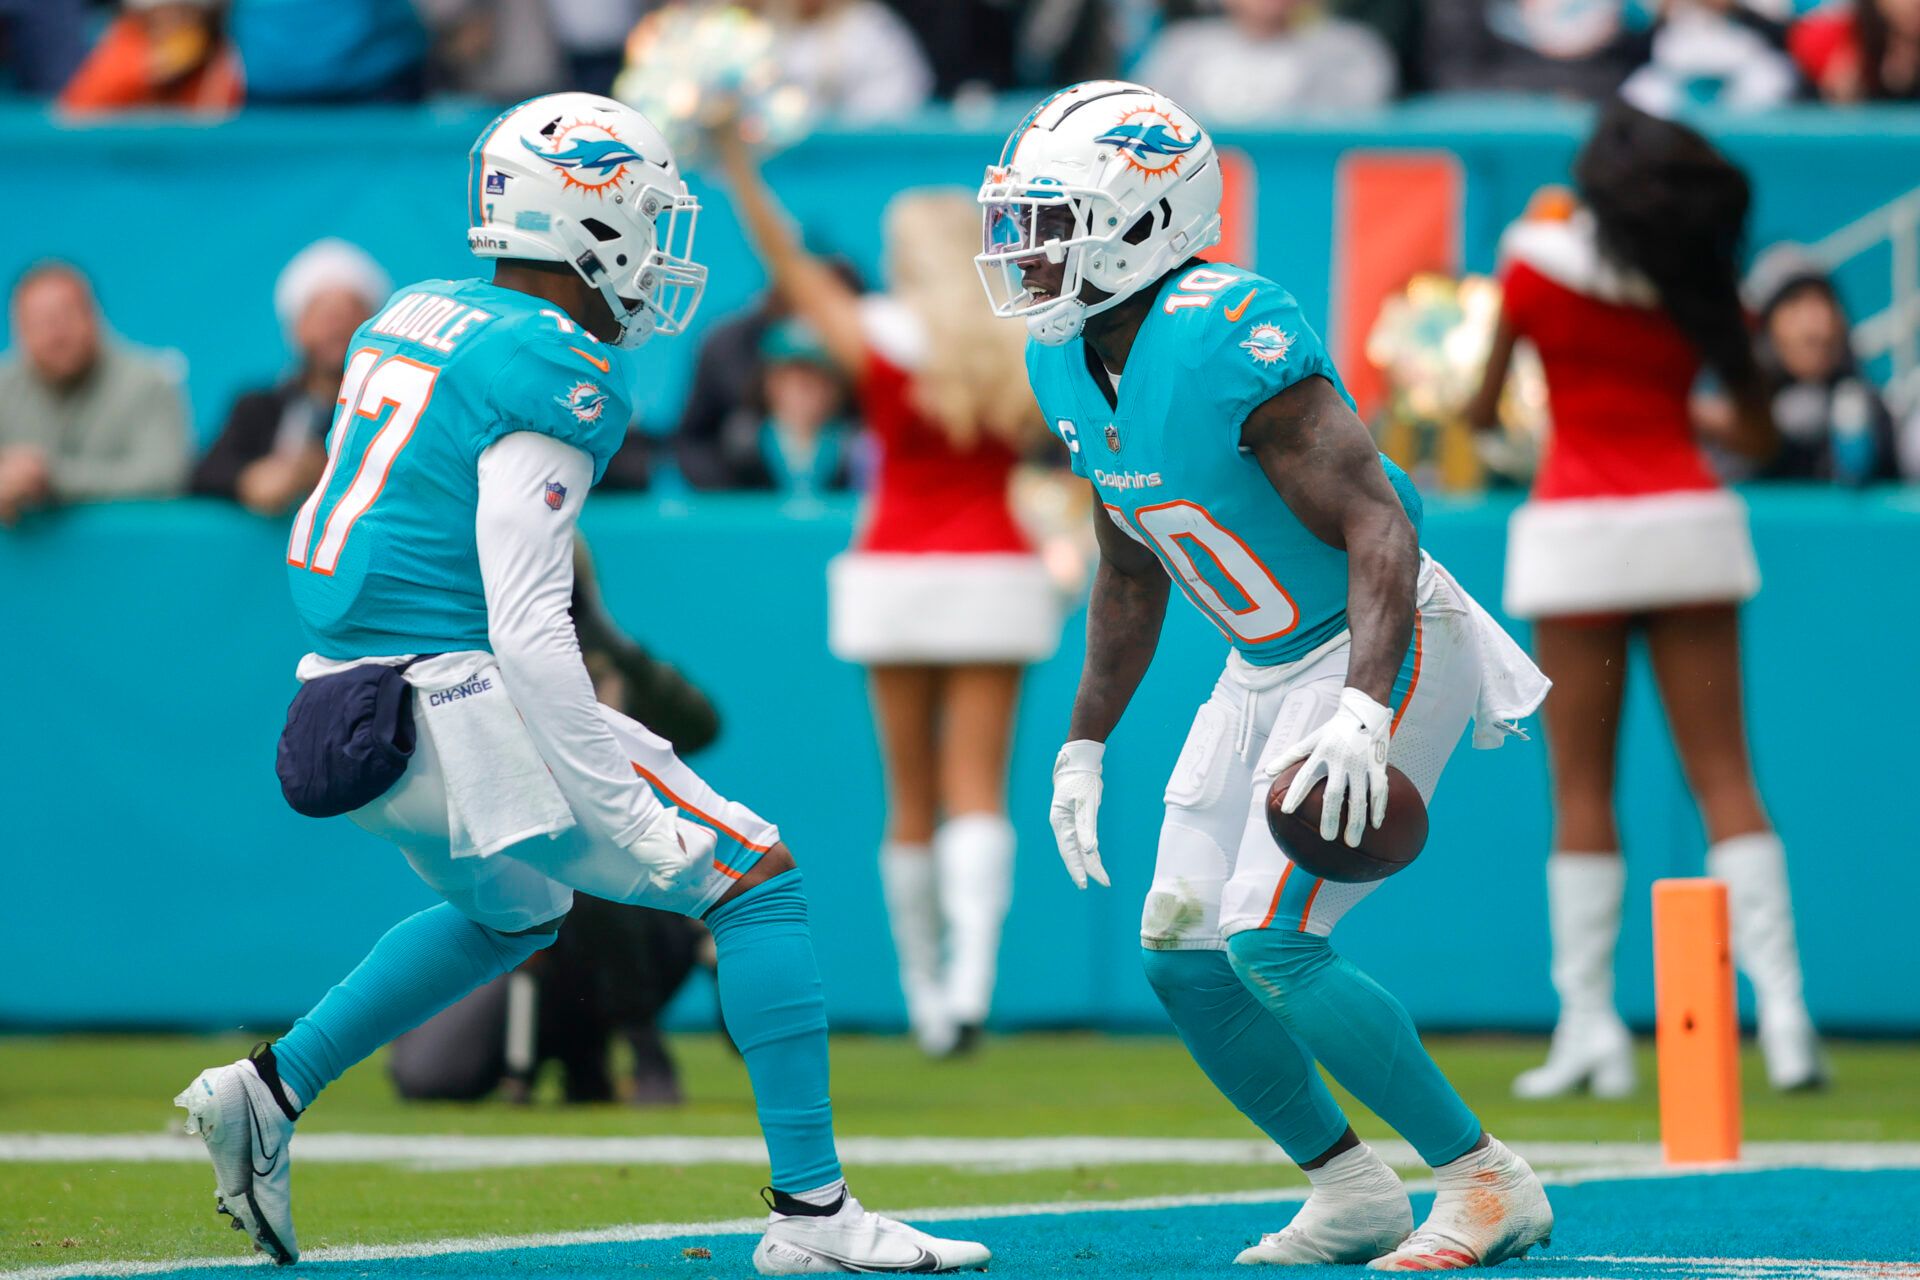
(370, 387)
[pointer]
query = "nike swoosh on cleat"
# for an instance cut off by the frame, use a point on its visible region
(599, 362)
(258, 1151)
(924, 1263)
(1234, 313)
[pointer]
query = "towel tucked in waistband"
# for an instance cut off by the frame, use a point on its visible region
(1511, 686)
(499, 790)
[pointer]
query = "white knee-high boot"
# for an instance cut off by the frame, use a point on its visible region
(1754, 869)
(1591, 1046)
(975, 854)
(910, 881)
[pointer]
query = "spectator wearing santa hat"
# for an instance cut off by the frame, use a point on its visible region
(274, 445)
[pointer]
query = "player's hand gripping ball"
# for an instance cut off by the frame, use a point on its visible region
(1383, 850)
(1337, 807)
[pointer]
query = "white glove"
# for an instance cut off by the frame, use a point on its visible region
(1076, 810)
(1350, 752)
(669, 848)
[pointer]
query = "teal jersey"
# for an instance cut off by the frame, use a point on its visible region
(382, 557)
(1167, 463)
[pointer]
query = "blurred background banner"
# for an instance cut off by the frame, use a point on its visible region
(202, 217)
(152, 646)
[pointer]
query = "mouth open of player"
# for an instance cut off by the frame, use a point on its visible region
(1033, 257)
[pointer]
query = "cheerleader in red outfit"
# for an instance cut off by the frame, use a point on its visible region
(1627, 299)
(941, 597)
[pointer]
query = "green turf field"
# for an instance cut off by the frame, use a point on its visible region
(1025, 1086)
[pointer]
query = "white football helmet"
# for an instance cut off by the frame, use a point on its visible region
(1137, 184)
(581, 179)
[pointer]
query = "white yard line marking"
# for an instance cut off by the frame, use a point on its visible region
(443, 1151)
(1658, 1260)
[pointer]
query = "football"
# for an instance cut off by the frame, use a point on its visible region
(1383, 850)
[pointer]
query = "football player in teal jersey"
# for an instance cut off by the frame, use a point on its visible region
(445, 705)
(1227, 460)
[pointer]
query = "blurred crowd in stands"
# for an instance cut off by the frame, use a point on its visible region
(85, 416)
(1229, 61)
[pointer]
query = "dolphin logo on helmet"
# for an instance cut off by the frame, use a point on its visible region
(1142, 140)
(604, 156)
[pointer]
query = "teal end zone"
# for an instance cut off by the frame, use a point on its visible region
(1780, 1225)
(156, 645)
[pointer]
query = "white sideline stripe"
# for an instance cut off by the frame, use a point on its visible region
(1657, 1260)
(1847, 1155)
(448, 1151)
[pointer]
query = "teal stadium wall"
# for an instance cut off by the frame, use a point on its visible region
(152, 875)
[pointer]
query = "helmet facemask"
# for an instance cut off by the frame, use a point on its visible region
(1106, 249)
(659, 292)
(1027, 225)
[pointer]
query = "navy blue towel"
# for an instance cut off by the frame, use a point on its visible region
(347, 740)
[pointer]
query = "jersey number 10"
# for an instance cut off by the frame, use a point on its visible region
(1206, 556)
(369, 388)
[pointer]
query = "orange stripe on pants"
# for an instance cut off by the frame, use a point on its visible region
(702, 816)
(1413, 681)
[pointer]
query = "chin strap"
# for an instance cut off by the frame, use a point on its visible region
(1058, 324)
(1062, 321)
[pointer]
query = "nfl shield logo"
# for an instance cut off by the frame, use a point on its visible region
(1113, 437)
(496, 184)
(556, 494)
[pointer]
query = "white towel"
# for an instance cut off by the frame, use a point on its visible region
(1511, 687)
(499, 790)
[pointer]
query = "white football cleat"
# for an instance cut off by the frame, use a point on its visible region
(247, 1135)
(1490, 1207)
(1595, 1053)
(852, 1239)
(1357, 1212)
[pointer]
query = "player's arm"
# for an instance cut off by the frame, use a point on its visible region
(1321, 460)
(1323, 463)
(526, 565)
(1124, 617)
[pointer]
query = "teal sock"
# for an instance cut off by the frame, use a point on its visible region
(422, 965)
(1245, 1051)
(771, 998)
(1360, 1033)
